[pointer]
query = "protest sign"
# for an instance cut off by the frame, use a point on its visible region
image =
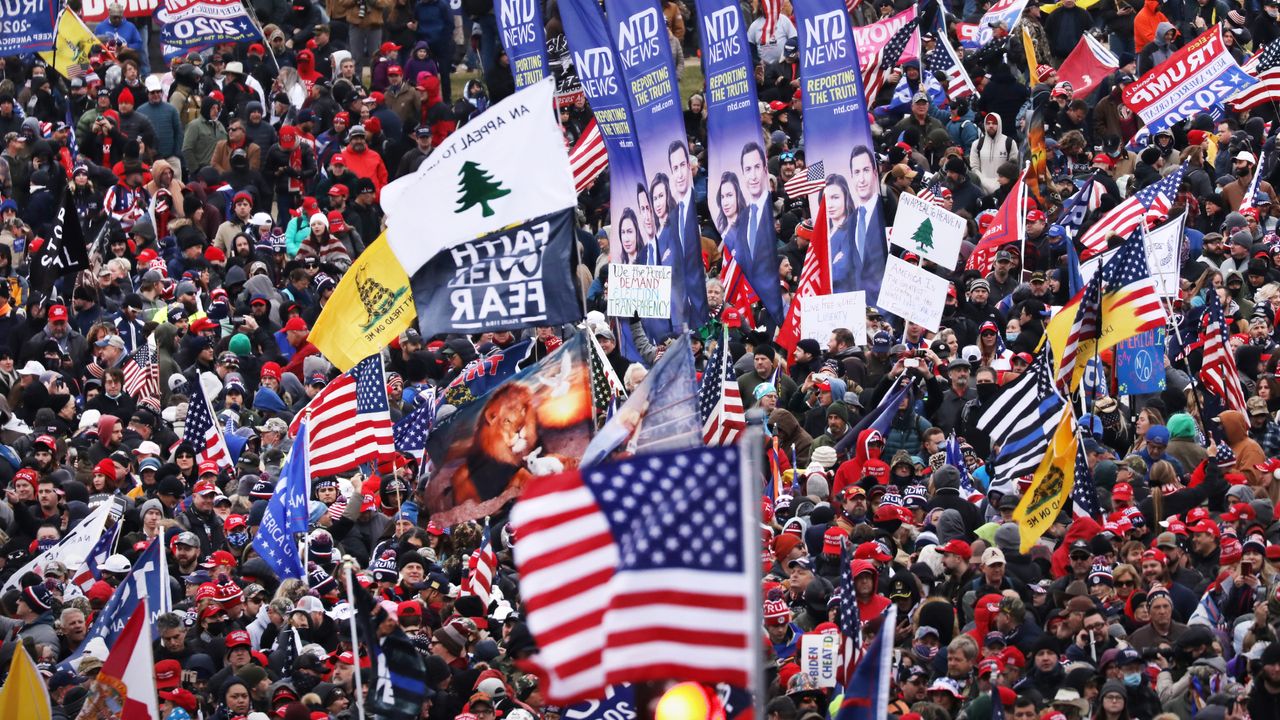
(820, 315)
(1140, 363)
(928, 230)
(1164, 255)
(639, 289)
(1200, 75)
(870, 40)
(819, 657)
(508, 280)
(28, 26)
(913, 293)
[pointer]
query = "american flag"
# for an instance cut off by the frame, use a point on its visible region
(640, 570)
(349, 421)
(719, 399)
(1150, 205)
(142, 375)
(850, 620)
(1218, 367)
(202, 432)
(1124, 291)
(1255, 182)
(483, 566)
(606, 388)
(1076, 209)
(770, 10)
(877, 70)
(89, 573)
(810, 182)
(738, 293)
(1021, 420)
(944, 60)
(588, 157)
(1265, 66)
(410, 434)
(1084, 494)
(932, 191)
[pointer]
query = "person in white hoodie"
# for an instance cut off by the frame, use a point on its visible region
(990, 150)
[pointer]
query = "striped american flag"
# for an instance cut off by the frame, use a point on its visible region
(1218, 367)
(944, 60)
(1150, 205)
(349, 421)
(639, 570)
(483, 566)
(588, 158)
(815, 279)
(142, 375)
(932, 191)
(1265, 66)
(770, 10)
(811, 181)
(849, 617)
(1124, 287)
(874, 74)
(202, 432)
(719, 399)
(1255, 182)
(738, 293)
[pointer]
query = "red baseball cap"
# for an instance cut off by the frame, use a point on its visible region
(339, 189)
(956, 546)
(207, 467)
(219, 557)
(1035, 216)
(296, 323)
(57, 313)
(435, 528)
(168, 674)
(238, 638)
(337, 223)
(180, 697)
(872, 550)
(338, 158)
(394, 70)
(1123, 491)
(833, 540)
(409, 608)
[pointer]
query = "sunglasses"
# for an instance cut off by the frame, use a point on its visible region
(787, 156)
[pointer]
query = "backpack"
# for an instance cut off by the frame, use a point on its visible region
(1008, 145)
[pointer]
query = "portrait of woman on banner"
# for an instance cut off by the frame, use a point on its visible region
(730, 216)
(839, 238)
(635, 251)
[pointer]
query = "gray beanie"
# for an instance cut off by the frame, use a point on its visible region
(152, 504)
(946, 477)
(1008, 538)
(817, 486)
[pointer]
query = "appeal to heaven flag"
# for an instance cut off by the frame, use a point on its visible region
(503, 167)
(371, 305)
(1050, 489)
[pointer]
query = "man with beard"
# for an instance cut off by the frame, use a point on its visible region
(947, 414)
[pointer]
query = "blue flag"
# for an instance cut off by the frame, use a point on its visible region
(149, 577)
(286, 514)
(866, 695)
(523, 37)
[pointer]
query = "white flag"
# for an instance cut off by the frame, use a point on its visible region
(505, 166)
(71, 550)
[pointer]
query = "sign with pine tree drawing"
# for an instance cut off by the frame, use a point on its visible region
(928, 230)
(478, 187)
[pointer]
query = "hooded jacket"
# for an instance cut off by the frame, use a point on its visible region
(987, 154)
(946, 494)
(790, 434)
(1146, 22)
(850, 472)
(1158, 50)
(202, 136)
(1247, 450)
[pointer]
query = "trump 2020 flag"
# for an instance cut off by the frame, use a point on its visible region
(193, 24)
(641, 39)
(662, 413)
(518, 277)
(738, 179)
(619, 590)
(286, 514)
(503, 167)
(149, 578)
(838, 135)
(524, 39)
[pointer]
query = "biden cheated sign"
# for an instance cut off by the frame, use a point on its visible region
(507, 280)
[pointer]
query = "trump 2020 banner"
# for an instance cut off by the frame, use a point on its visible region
(515, 278)
(838, 136)
(1199, 76)
(537, 423)
(524, 39)
(28, 26)
(737, 162)
(644, 51)
(191, 24)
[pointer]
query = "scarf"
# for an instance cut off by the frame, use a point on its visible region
(295, 163)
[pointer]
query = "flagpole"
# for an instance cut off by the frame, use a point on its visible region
(751, 446)
(355, 640)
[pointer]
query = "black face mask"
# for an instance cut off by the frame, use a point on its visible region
(214, 629)
(986, 391)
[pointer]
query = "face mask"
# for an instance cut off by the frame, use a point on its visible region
(1010, 337)
(1272, 11)
(924, 651)
(214, 628)
(986, 391)
(239, 539)
(1133, 679)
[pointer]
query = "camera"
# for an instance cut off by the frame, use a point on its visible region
(237, 320)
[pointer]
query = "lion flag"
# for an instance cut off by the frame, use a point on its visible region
(73, 43)
(371, 305)
(1050, 489)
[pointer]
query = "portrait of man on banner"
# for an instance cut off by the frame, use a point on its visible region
(853, 210)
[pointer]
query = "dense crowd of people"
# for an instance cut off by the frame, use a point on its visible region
(224, 195)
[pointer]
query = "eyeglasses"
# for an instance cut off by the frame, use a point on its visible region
(788, 156)
(1125, 583)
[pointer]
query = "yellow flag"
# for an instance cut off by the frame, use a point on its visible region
(1032, 64)
(1086, 4)
(1050, 489)
(23, 694)
(73, 43)
(372, 305)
